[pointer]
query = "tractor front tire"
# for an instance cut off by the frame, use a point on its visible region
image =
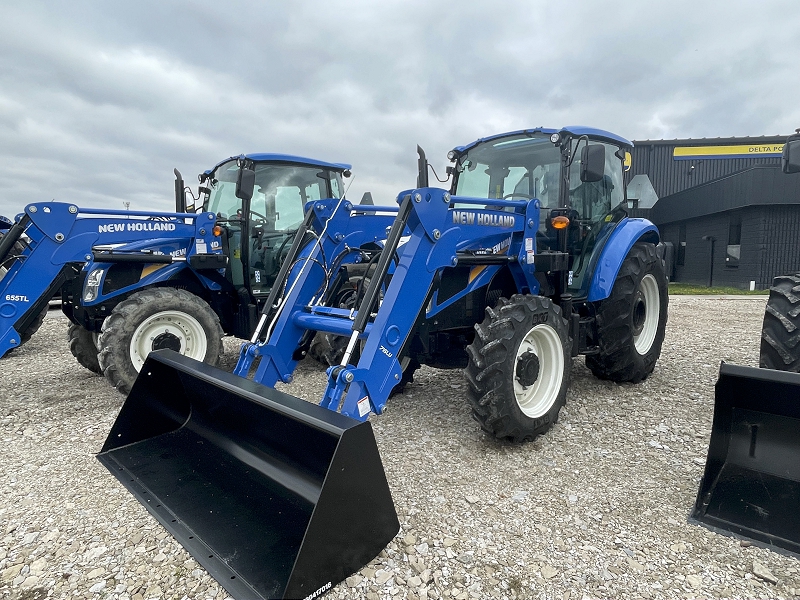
(154, 319)
(83, 345)
(409, 366)
(780, 334)
(327, 348)
(632, 320)
(519, 367)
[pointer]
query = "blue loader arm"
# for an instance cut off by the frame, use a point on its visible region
(435, 235)
(57, 235)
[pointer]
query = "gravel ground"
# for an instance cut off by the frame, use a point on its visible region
(596, 508)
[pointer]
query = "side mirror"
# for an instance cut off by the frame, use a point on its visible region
(790, 161)
(593, 162)
(245, 184)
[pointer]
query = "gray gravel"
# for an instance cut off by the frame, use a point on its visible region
(594, 509)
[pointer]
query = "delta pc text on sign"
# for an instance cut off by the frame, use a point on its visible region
(720, 152)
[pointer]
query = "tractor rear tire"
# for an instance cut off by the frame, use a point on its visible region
(83, 345)
(153, 319)
(632, 320)
(18, 248)
(519, 367)
(780, 334)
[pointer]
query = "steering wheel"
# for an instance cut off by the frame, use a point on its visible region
(512, 194)
(259, 215)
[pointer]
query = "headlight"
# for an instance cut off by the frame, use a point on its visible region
(94, 277)
(90, 288)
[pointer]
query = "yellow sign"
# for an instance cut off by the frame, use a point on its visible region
(741, 151)
(626, 164)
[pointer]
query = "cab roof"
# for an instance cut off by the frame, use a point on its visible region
(285, 158)
(574, 130)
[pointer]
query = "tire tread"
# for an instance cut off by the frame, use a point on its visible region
(780, 333)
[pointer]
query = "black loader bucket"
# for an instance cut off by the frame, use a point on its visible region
(751, 484)
(274, 496)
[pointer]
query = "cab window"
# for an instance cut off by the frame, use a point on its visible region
(593, 200)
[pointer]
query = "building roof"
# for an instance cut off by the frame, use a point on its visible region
(717, 141)
(674, 166)
(757, 185)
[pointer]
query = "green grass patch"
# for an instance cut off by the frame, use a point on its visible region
(690, 289)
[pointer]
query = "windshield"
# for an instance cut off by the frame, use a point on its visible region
(517, 167)
(281, 191)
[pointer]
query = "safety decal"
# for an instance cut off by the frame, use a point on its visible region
(363, 406)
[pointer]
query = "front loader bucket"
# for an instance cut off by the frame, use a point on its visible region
(751, 484)
(274, 496)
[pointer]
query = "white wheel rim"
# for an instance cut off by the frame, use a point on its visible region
(652, 307)
(182, 326)
(537, 399)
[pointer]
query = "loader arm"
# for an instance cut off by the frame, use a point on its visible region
(437, 235)
(60, 239)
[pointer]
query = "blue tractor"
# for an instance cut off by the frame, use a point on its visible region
(135, 281)
(528, 260)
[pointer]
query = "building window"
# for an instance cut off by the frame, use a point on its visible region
(734, 242)
(681, 258)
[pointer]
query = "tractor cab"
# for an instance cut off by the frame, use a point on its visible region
(259, 202)
(575, 173)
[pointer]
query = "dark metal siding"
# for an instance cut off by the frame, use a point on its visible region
(669, 176)
(781, 232)
(706, 198)
(761, 185)
(770, 246)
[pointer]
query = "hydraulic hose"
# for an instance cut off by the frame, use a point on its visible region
(392, 242)
(9, 239)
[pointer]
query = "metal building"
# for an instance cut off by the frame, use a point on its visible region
(731, 214)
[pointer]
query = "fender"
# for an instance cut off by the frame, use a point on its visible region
(616, 248)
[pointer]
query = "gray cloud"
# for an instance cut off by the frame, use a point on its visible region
(98, 102)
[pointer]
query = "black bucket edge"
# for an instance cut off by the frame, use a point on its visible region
(712, 467)
(312, 415)
(228, 578)
(742, 537)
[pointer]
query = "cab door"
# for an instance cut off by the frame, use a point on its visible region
(595, 208)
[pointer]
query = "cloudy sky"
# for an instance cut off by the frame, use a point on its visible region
(99, 101)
